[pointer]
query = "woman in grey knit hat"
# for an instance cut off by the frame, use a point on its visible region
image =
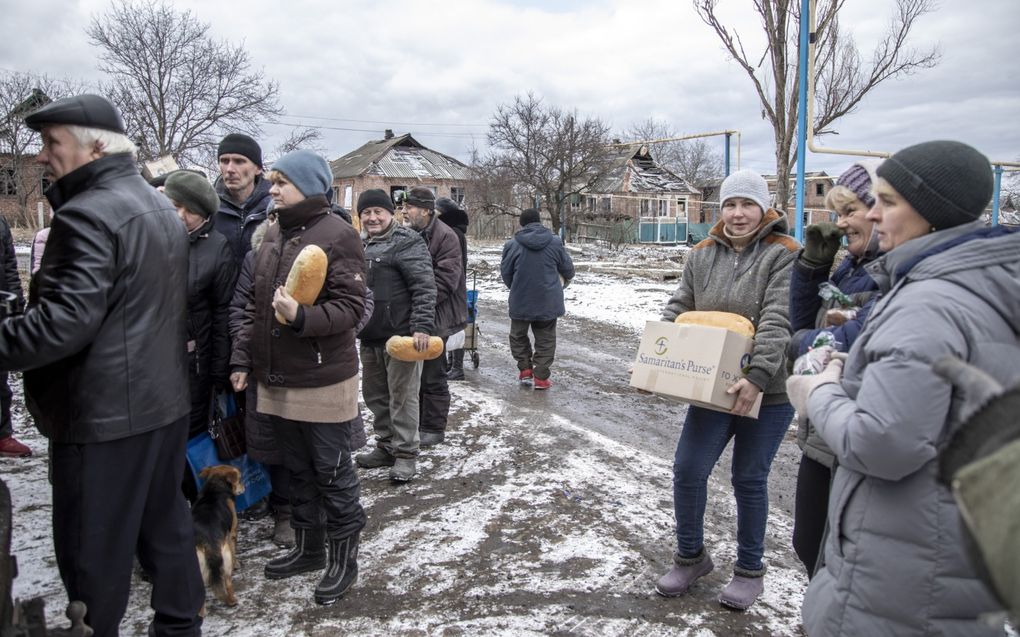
(743, 267)
(894, 561)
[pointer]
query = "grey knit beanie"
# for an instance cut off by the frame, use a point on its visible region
(193, 191)
(306, 170)
(747, 184)
(948, 183)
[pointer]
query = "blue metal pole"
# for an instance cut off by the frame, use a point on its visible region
(802, 123)
(995, 197)
(726, 156)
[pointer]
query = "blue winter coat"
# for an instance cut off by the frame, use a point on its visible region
(806, 307)
(532, 264)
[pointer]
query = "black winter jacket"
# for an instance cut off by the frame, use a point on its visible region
(400, 276)
(103, 339)
(448, 268)
(10, 281)
(211, 275)
(238, 223)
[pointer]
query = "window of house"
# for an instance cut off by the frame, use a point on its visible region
(8, 182)
(664, 207)
(646, 207)
(457, 194)
(681, 207)
(348, 197)
(398, 199)
(606, 204)
(820, 189)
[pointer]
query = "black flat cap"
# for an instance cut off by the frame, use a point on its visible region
(92, 111)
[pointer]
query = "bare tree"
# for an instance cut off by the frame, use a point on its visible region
(301, 137)
(178, 89)
(548, 151)
(694, 159)
(21, 93)
(842, 78)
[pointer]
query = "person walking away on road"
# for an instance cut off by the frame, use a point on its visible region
(451, 309)
(307, 372)
(848, 298)
(742, 267)
(456, 217)
(103, 346)
(894, 558)
(403, 285)
(536, 268)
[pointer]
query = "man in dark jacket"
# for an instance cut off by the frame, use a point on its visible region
(9, 282)
(103, 348)
(400, 276)
(457, 218)
(451, 309)
(211, 276)
(536, 268)
(244, 193)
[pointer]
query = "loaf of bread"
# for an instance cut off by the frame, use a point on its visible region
(306, 277)
(402, 349)
(726, 320)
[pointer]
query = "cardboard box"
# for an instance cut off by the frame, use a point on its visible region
(692, 363)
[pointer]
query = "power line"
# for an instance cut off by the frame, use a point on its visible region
(382, 121)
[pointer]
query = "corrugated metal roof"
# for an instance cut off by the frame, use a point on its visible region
(645, 175)
(400, 157)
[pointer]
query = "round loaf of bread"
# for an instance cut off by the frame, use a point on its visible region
(402, 349)
(726, 320)
(306, 277)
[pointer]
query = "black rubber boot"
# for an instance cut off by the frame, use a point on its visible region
(341, 571)
(456, 365)
(308, 554)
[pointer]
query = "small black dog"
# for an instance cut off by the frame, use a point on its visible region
(215, 522)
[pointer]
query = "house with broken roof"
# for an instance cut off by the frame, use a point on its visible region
(638, 189)
(397, 162)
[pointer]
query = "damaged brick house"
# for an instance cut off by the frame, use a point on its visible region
(636, 188)
(21, 189)
(397, 162)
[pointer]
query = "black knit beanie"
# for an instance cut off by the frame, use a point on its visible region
(948, 183)
(241, 144)
(530, 215)
(374, 198)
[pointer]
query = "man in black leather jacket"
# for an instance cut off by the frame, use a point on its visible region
(102, 345)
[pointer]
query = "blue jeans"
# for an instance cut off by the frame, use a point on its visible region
(705, 434)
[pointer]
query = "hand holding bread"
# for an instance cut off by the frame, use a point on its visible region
(403, 348)
(305, 280)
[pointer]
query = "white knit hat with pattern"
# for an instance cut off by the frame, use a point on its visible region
(747, 184)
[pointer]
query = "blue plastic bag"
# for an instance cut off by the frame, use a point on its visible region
(254, 477)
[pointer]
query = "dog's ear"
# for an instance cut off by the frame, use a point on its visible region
(204, 473)
(235, 478)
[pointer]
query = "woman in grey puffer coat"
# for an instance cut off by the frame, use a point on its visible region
(894, 562)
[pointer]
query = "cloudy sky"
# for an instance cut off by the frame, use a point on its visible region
(439, 70)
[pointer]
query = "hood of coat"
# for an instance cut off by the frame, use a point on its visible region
(455, 218)
(534, 236)
(981, 259)
(253, 201)
(771, 221)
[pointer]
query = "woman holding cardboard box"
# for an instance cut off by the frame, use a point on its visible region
(742, 268)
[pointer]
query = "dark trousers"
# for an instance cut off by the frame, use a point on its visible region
(704, 436)
(434, 395)
(112, 500)
(6, 397)
(810, 511)
(323, 482)
(541, 358)
(201, 402)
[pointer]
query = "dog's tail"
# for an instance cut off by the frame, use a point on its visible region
(210, 560)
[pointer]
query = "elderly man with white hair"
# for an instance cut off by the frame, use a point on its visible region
(102, 347)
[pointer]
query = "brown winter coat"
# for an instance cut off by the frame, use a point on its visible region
(451, 282)
(318, 348)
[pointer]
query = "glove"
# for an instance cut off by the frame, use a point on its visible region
(799, 388)
(821, 243)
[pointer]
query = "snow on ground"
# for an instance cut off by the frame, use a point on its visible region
(523, 523)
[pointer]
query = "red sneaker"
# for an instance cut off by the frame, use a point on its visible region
(525, 377)
(11, 448)
(542, 384)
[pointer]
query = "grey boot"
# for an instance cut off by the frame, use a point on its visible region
(341, 570)
(308, 554)
(403, 470)
(375, 458)
(743, 589)
(431, 438)
(283, 533)
(685, 571)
